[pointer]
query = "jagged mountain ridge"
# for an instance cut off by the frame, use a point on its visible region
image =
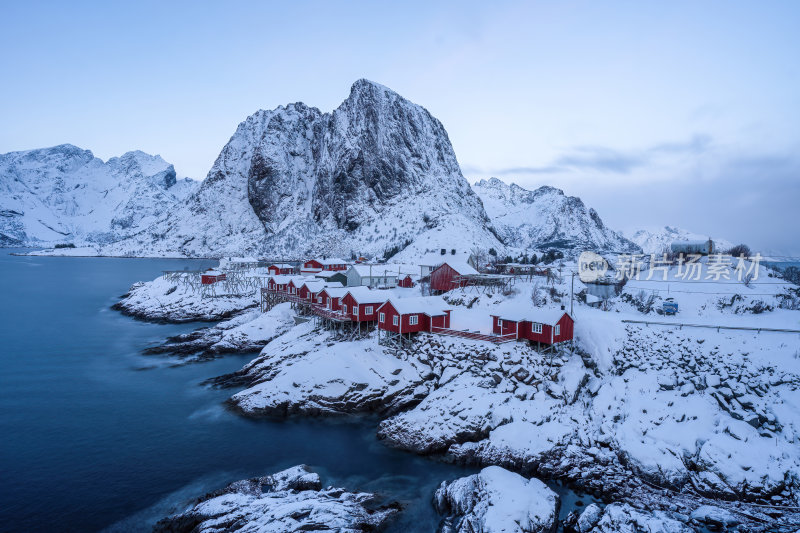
(546, 218)
(377, 172)
(66, 194)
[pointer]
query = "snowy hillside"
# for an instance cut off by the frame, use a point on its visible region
(65, 194)
(376, 173)
(657, 240)
(546, 218)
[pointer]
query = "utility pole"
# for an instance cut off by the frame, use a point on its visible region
(571, 294)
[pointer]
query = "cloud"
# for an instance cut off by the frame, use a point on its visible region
(607, 160)
(601, 159)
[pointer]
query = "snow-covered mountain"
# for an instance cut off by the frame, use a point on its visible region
(546, 218)
(657, 240)
(376, 173)
(66, 194)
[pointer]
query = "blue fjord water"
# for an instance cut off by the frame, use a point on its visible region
(95, 436)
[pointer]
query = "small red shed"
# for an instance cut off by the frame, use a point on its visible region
(280, 269)
(361, 304)
(412, 315)
(312, 266)
(546, 326)
(212, 276)
(406, 281)
(445, 277)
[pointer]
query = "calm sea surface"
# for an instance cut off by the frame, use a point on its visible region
(94, 435)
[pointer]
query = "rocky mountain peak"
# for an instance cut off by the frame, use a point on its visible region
(546, 218)
(378, 173)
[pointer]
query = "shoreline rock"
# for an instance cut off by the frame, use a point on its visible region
(496, 500)
(290, 500)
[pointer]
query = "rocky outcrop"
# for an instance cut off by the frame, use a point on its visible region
(304, 372)
(290, 500)
(247, 332)
(163, 300)
(496, 500)
(295, 181)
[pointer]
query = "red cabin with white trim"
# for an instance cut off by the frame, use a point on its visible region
(546, 326)
(361, 304)
(406, 282)
(331, 298)
(310, 289)
(333, 265)
(280, 269)
(446, 276)
(211, 277)
(412, 315)
(278, 283)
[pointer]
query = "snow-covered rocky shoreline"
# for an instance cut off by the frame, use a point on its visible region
(671, 427)
(290, 500)
(164, 300)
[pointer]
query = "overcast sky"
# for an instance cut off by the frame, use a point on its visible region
(680, 113)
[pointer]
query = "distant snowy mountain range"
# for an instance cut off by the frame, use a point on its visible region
(65, 194)
(377, 175)
(546, 218)
(657, 240)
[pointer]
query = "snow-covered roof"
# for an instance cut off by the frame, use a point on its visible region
(367, 296)
(335, 292)
(539, 315)
(282, 279)
(212, 273)
(461, 267)
(382, 271)
(428, 305)
(316, 286)
(690, 243)
(328, 273)
(281, 265)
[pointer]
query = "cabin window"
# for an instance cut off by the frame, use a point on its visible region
(536, 327)
(557, 331)
(381, 318)
(319, 299)
(368, 310)
(344, 308)
(413, 320)
(500, 322)
(396, 320)
(355, 310)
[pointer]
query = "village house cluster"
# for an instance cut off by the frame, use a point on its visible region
(387, 296)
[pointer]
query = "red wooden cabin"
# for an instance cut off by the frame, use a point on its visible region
(278, 283)
(406, 282)
(211, 277)
(312, 266)
(445, 277)
(331, 298)
(412, 315)
(333, 264)
(546, 326)
(310, 289)
(280, 269)
(361, 304)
